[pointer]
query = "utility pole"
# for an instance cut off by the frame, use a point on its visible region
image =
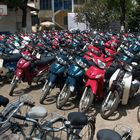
(53, 18)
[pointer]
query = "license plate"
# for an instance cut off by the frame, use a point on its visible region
(1, 63)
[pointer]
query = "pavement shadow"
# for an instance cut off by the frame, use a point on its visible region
(51, 98)
(27, 90)
(72, 103)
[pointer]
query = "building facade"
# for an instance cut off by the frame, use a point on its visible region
(57, 11)
(12, 21)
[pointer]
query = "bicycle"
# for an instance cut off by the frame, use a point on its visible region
(43, 129)
(15, 106)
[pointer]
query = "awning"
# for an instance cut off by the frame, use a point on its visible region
(47, 24)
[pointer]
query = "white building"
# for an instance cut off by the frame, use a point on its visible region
(12, 20)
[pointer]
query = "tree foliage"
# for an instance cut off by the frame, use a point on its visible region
(134, 18)
(100, 13)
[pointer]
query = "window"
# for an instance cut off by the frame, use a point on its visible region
(58, 5)
(62, 4)
(45, 4)
(67, 4)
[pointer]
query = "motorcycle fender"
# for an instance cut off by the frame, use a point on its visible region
(71, 82)
(113, 77)
(18, 73)
(127, 80)
(52, 79)
(93, 84)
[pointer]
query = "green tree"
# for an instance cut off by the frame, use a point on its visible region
(22, 4)
(100, 13)
(96, 13)
(134, 18)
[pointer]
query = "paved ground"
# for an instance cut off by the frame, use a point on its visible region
(126, 114)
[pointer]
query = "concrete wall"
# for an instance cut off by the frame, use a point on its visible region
(12, 22)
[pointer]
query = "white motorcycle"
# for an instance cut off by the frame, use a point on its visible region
(122, 86)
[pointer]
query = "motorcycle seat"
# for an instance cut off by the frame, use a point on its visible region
(108, 134)
(44, 60)
(37, 112)
(12, 58)
(77, 119)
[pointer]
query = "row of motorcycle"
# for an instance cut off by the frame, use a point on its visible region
(94, 66)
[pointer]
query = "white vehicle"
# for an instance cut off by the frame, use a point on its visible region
(122, 86)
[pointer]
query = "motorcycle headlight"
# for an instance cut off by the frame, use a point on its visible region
(128, 68)
(81, 63)
(60, 60)
(26, 57)
(101, 64)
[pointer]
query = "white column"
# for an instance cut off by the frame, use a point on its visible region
(72, 6)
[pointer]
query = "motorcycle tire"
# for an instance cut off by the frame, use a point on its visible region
(86, 100)
(44, 94)
(63, 96)
(112, 99)
(13, 86)
(138, 114)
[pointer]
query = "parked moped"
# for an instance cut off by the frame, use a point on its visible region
(56, 75)
(95, 86)
(122, 86)
(30, 68)
(74, 81)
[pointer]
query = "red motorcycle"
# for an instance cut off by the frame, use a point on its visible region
(31, 69)
(94, 88)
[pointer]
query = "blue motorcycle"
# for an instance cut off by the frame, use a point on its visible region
(56, 76)
(74, 81)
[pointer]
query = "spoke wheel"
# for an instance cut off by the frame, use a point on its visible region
(45, 93)
(86, 100)
(138, 114)
(110, 104)
(63, 97)
(87, 133)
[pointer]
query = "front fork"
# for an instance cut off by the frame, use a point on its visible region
(51, 81)
(71, 82)
(13, 79)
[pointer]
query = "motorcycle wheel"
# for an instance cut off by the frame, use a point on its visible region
(13, 86)
(63, 96)
(110, 104)
(45, 93)
(138, 114)
(86, 100)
